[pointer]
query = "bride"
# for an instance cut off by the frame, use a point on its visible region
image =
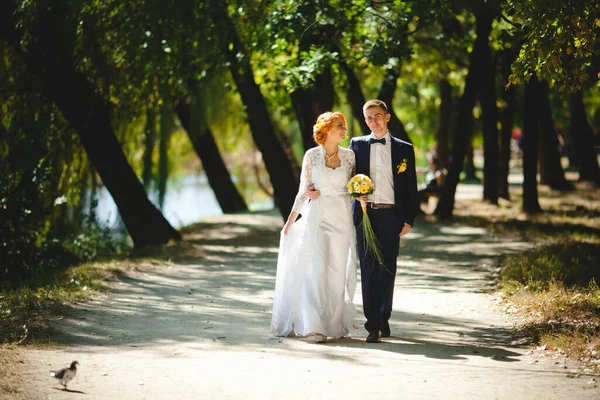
(316, 267)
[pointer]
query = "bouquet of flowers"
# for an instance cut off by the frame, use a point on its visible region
(361, 185)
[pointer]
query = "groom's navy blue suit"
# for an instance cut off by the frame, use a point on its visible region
(378, 283)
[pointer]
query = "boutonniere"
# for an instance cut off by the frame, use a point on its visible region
(402, 166)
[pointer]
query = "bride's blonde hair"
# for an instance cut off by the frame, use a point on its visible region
(323, 125)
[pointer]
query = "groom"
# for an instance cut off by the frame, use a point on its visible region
(390, 163)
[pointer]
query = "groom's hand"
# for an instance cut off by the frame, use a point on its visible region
(312, 193)
(405, 229)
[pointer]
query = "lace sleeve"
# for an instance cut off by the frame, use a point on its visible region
(348, 157)
(305, 181)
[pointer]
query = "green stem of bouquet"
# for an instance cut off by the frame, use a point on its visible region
(371, 242)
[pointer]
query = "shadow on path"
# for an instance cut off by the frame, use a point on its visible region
(224, 299)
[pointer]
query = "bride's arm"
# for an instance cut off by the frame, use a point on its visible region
(302, 196)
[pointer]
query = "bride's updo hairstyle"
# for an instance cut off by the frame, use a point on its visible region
(323, 125)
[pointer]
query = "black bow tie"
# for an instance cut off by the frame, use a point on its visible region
(373, 140)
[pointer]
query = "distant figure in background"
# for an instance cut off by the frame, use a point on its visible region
(516, 142)
(434, 178)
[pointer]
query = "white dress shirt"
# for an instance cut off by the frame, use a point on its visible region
(381, 171)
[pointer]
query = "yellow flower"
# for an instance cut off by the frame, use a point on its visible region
(402, 166)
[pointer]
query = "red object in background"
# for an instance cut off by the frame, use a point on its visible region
(516, 133)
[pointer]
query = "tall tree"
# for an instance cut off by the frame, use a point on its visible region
(386, 94)
(49, 56)
(315, 97)
(192, 117)
(284, 182)
(469, 167)
(551, 170)
(166, 128)
(311, 102)
(507, 118)
(489, 108)
(582, 135)
(149, 141)
(464, 126)
(442, 132)
(355, 96)
(530, 145)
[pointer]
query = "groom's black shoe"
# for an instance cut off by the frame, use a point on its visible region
(385, 330)
(373, 337)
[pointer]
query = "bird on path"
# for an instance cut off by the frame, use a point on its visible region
(66, 374)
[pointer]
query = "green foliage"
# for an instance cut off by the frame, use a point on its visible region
(90, 243)
(572, 263)
(43, 175)
(25, 312)
(146, 55)
(559, 40)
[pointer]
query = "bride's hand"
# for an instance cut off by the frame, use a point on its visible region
(286, 228)
(291, 218)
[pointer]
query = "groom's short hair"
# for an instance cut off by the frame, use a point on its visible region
(375, 103)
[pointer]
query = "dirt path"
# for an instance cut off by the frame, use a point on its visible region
(199, 328)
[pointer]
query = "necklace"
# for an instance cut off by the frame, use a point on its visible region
(329, 158)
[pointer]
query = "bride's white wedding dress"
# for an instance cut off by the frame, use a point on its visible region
(316, 267)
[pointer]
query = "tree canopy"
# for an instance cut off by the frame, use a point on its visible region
(125, 94)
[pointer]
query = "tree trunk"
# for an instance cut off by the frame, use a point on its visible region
(530, 159)
(166, 127)
(149, 141)
(285, 184)
(355, 97)
(311, 102)
(464, 126)
(489, 108)
(469, 167)
(93, 190)
(204, 143)
(507, 118)
(583, 141)
(386, 94)
(551, 170)
(442, 132)
(49, 58)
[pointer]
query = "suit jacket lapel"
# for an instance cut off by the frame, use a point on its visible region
(395, 156)
(368, 158)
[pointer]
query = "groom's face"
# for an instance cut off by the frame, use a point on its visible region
(377, 120)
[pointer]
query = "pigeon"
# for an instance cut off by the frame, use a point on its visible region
(66, 374)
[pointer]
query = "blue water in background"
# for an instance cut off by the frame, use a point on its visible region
(187, 200)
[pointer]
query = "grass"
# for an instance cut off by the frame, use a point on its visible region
(559, 318)
(552, 288)
(571, 263)
(26, 312)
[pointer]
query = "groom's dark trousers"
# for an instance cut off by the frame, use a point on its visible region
(377, 281)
